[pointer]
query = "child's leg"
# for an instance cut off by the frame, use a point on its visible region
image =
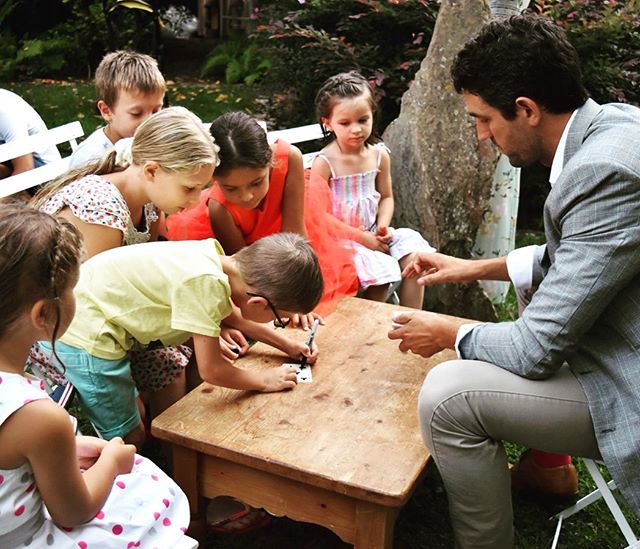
(160, 400)
(106, 391)
(376, 293)
(410, 293)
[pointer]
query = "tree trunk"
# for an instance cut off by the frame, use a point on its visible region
(442, 175)
(497, 233)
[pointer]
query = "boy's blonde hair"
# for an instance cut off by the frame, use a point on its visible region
(127, 70)
(284, 268)
(174, 138)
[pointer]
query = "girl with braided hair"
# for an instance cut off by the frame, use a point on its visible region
(96, 493)
(119, 200)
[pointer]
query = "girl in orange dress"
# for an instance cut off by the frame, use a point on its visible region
(259, 189)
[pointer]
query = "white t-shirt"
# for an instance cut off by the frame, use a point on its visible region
(19, 120)
(92, 148)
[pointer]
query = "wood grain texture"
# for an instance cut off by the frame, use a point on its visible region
(344, 451)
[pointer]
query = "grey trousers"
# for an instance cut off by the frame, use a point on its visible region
(466, 409)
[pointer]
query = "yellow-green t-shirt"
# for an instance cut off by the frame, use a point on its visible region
(130, 296)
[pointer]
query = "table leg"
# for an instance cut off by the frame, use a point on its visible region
(374, 526)
(185, 471)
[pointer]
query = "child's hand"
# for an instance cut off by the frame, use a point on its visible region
(370, 240)
(278, 379)
(297, 349)
(122, 454)
(233, 344)
(384, 235)
(305, 321)
(88, 450)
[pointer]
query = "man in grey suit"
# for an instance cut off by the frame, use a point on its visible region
(565, 376)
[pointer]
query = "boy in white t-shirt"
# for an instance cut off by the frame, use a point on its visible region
(19, 120)
(130, 88)
(165, 293)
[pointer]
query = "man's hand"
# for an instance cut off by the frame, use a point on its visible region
(425, 333)
(434, 268)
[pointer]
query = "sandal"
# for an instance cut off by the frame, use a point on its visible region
(247, 519)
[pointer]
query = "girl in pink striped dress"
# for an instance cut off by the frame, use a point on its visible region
(359, 176)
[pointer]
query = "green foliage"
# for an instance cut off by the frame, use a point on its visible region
(240, 63)
(67, 48)
(606, 34)
(308, 42)
(8, 42)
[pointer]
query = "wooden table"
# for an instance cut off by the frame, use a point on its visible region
(344, 451)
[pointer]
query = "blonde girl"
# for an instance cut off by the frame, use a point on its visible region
(93, 490)
(118, 200)
(358, 173)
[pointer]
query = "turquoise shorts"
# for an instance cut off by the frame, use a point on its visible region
(107, 391)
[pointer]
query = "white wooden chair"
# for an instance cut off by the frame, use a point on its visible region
(31, 178)
(603, 490)
(310, 132)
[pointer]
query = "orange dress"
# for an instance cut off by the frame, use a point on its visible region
(335, 260)
(266, 219)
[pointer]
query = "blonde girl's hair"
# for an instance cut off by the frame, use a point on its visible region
(124, 70)
(174, 138)
(284, 268)
(39, 259)
(345, 85)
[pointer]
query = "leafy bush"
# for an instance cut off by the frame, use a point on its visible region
(71, 46)
(606, 34)
(8, 42)
(239, 62)
(309, 41)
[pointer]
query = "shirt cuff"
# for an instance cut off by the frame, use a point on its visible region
(520, 267)
(463, 331)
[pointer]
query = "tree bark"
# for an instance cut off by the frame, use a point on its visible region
(442, 175)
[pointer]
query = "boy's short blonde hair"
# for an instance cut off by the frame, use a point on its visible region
(127, 70)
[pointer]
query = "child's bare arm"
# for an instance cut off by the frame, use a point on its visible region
(215, 369)
(97, 238)
(224, 228)
(385, 188)
(43, 433)
(293, 197)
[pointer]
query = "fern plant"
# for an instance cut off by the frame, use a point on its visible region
(239, 62)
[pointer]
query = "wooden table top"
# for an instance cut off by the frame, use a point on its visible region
(353, 430)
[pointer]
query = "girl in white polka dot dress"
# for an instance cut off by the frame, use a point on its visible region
(56, 489)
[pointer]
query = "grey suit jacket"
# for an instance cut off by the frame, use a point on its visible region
(586, 311)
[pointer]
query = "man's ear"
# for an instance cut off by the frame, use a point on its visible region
(527, 107)
(105, 111)
(150, 170)
(41, 314)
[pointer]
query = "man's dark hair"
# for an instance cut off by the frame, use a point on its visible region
(523, 55)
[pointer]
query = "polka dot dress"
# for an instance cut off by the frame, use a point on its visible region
(144, 509)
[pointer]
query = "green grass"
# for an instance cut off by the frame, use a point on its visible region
(423, 523)
(62, 101)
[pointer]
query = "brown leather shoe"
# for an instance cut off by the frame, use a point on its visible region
(554, 483)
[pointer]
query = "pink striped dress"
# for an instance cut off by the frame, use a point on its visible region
(355, 202)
